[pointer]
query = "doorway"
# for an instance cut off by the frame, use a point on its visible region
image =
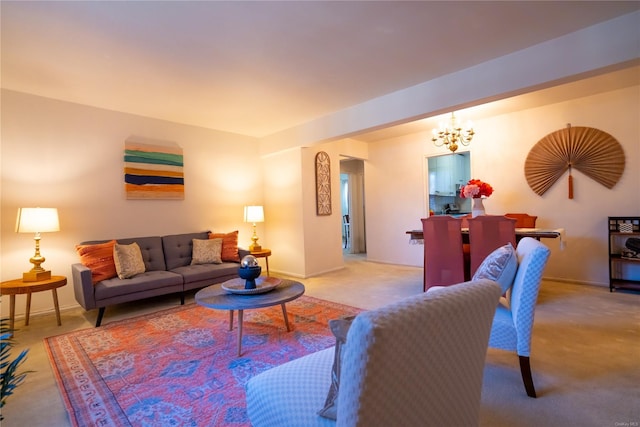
(352, 206)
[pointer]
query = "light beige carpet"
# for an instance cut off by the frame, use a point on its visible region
(585, 357)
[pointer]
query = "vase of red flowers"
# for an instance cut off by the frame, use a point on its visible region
(478, 191)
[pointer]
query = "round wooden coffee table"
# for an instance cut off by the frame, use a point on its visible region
(218, 298)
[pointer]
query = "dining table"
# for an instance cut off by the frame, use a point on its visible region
(416, 236)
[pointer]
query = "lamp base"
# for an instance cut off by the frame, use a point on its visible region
(36, 276)
(255, 247)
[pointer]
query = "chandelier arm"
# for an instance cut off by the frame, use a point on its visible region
(439, 142)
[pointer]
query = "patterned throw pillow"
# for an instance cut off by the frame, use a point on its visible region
(229, 245)
(500, 266)
(207, 251)
(128, 259)
(99, 259)
(339, 328)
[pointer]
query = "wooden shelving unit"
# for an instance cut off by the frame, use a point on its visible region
(624, 268)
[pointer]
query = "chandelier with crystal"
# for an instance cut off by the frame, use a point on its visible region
(452, 134)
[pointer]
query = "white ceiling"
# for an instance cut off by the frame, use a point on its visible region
(256, 68)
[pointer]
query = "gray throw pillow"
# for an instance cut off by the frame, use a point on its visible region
(128, 260)
(500, 266)
(207, 251)
(339, 328)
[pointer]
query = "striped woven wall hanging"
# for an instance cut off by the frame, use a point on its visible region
(153, 172)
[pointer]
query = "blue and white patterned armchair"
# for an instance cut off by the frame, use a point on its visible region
(418, 362)
(513, 322)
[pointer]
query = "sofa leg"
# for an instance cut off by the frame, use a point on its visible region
(100, 314)
(181, 298)
(525, 370)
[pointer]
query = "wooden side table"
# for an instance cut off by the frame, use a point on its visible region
(263, 253)
(17, 286)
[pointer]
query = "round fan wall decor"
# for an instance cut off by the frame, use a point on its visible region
(591, 151)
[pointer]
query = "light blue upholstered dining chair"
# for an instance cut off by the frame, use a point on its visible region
(513, 323)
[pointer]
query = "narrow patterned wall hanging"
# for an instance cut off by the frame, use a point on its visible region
(591, 151)
(153, 171)
(323, 184)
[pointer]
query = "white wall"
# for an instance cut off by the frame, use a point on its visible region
(395, 199)
(58, 154)
(303, 243)
(323, 239)
(283, 212)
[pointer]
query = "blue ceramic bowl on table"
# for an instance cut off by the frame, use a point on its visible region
(249, 274)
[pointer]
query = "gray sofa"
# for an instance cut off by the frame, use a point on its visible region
(167, 262)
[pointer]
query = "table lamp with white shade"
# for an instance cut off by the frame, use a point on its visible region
(37, 220)
(254, 214)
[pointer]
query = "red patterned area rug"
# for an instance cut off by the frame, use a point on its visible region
(179, 367)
